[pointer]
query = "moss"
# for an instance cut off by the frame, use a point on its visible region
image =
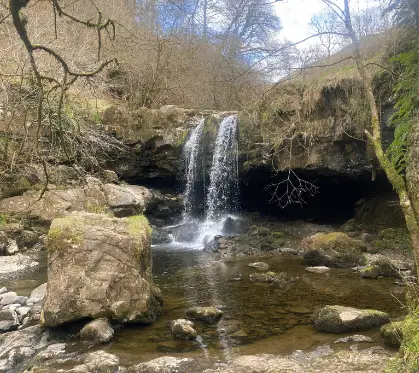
(95, 208)
(63, 231)
(137, 224)
(407, 360)
(393, 238)
(3, 219)
(392, 333)
(278, 234)
(372, 271)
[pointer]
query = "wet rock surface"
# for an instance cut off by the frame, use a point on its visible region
(334, 249)
(97, 331)
(209, 315)
(183, 329)
(338, 319)
(99, 267)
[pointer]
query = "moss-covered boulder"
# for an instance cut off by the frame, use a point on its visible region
(334, 249)
(209, 315)
(339, 319)
(99, 267)
(392, 333)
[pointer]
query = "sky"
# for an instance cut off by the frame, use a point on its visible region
(295, 15)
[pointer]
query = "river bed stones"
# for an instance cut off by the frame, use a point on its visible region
(99, 267)
(340, 319)
(97, 331)
(209, 315)
(183, 329)
(281, 279)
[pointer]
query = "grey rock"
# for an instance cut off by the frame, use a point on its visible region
(21, 300)
(8, 298)
(38, 294)
(17, 346)
(210, 315)
(183, 329)
(27, 239)
(3, 290)
(318, 269)
(99, 266)
(164, 364)
(260, 265)
(8, 320)
(12, 248)
(23, 311)
(97, 331)
(98, 362)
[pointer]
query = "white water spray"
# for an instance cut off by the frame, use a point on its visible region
(224, 177)
(191, 151)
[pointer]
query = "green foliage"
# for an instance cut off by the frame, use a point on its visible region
(406, 94)
(3, 219)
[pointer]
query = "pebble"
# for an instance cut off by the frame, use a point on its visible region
(21, 300)
(3, 290)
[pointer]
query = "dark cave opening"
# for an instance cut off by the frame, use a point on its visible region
(334, 202)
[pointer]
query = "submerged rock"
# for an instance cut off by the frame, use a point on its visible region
(260, 265)
(318, 269)
(354, 338)
(281, 279)
(210, 315)
(99, 267)
(97, 331)
(392, 333)
(164, 364)
(183, 329)
(334, 249)
(339, 319)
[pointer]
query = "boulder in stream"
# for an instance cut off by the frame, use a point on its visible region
(99, 267)
(97, 331)
(209, 315)
(334, 249)
(340, 319)
(183, 329)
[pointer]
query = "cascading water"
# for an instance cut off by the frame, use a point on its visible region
(222, 194)
(191, 152)
(224, 178)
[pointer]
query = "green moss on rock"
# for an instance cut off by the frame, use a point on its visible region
(339, 319)
(392, 333)
(334, 249)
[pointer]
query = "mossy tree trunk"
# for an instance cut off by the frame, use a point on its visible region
(395, 178)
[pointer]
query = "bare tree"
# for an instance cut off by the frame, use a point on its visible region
(374, 132)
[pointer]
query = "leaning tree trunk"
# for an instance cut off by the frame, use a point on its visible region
(397, 180)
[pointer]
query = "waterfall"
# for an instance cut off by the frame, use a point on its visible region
(222, 194)
(191, 152)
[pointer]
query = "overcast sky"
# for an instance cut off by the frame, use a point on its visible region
(295, 15)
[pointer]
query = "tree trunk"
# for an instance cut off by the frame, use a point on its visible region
(393, 175)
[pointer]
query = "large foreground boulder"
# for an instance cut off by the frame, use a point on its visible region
(334, 249)
(99, 267)
(339, 319)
